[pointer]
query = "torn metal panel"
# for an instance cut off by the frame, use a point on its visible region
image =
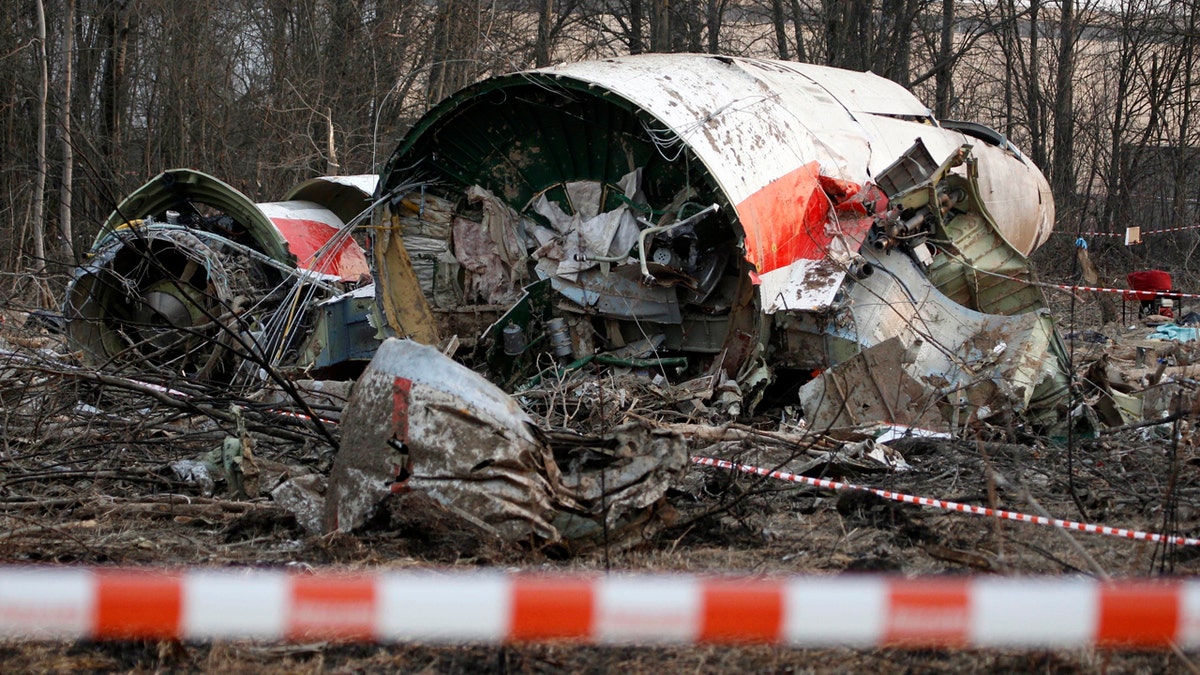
(345, 196)
(869, 387)
(311, 234)
(400, 297)
(621, 295)
(972, 263)
(614, 481)
(304, 498)
(419, 421)
(174, 189)
(343, 338)
(425, 223)
(993, 363)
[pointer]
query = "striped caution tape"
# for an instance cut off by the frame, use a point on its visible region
(1128, 292)
(1144, 233)
(952, 506)
(1100, 289)
(491, 607)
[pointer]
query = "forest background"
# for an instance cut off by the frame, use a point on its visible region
(97, 96)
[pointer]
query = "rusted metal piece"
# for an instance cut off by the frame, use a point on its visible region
(404, 307)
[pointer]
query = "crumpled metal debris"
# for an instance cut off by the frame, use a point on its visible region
(869, 387)
(611, 482)
(233, 463)
(417, 420)
(197, 472)
(304, 497)
(189, 276)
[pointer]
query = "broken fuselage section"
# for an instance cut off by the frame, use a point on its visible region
(190, 278)
(740, 219)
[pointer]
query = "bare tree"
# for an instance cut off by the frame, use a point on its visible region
(267, 92)
(65, 195)
(660, 25)
(39, 184)
(1033, 88)
(944, 71)
(716, 10)
(778, 20)
(1063, 168)
(118, 23)
(543, 46)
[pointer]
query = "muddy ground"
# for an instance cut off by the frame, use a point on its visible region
(86, 479)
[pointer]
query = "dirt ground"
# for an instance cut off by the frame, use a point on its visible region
(85, 479)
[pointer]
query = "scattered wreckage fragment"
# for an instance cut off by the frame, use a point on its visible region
(187, 272)
(756, 219)
(417, 420)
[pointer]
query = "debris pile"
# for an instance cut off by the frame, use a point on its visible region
(188, 276)
(569, 295)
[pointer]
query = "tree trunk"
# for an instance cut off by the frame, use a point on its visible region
(1185, 158)
(331, 159)
(65, 195)
(660, 25)
(116, 27)
(863, 38)
(944, 71)
(39, 186)
(1033, 102)
(777, 18)
(1009, 80)
(545, 22)
(453, 46)
(1063, 169)
(798, 29)
(892, 55)
(715, 8)
(835, 13)
(637, 19)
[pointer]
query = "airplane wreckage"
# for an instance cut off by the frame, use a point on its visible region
(721, 223)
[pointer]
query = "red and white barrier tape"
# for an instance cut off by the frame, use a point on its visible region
(1136, 295)
(951, 506)
(431, 607)
(1128, 292)
(1143, 233)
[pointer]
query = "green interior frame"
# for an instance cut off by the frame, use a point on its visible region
(523, 135)
(177, 187)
